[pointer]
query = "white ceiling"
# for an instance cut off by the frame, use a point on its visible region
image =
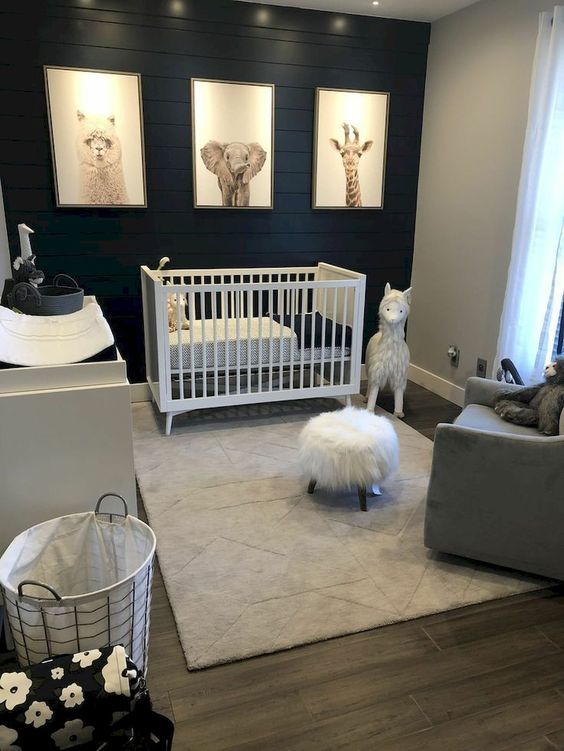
(411, 10)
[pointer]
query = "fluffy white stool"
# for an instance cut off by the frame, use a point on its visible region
(350, 448)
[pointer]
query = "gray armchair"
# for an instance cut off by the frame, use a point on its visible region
(496, 492)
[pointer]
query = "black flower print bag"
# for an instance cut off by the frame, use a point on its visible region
(93, 701)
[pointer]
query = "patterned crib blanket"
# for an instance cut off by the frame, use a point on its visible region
(254, 344)
(255, 347)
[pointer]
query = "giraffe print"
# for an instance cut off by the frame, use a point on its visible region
(350, 152)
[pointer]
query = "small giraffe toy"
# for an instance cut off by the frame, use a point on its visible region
(350, 152)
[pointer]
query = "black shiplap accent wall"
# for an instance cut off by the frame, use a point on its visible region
(168, 42)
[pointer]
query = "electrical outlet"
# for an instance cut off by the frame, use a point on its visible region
(453, 353)
(481, 367)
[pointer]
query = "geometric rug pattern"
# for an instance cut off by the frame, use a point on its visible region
(253, 564)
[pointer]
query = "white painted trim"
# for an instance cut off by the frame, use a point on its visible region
(436, 384)
(140, 392)
(5, 266)
(432, 382)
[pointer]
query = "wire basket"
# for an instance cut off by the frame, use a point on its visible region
(80, 582)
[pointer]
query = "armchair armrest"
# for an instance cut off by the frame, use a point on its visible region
(497, 497)
(484, 391)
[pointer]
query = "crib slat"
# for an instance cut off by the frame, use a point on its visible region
(281, 342)
(344, 334)
(302, 336)
(323, 325)
(191, 312)
(215, 365)
(179, 345)
(227, 343)
(292, 320)
(259, 313)
(312, 343)
(204, 354)
(332, 369)
(249, 295)
(270, 341)
(238, 342)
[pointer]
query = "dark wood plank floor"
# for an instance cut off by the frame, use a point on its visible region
(483, 678)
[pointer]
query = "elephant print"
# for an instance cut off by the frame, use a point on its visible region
(235, 165)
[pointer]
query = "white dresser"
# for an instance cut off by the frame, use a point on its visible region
(65, 439)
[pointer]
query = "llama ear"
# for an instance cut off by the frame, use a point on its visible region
(407, 295)
(334, 144)
(387, 288)
(80, 115)
(112, 119)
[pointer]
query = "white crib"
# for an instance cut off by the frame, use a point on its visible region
(254, 335)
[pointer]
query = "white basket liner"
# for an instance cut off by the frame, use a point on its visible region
(101, 569)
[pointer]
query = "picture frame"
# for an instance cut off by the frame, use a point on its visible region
(232, 144)
(97, 138)
(349, 149)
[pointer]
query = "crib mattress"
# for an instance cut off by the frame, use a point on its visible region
(249, 349)
(249, 345)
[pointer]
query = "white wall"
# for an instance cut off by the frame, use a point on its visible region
(5, 269)
(478, 78)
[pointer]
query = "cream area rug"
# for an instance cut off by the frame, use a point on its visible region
(253, 564)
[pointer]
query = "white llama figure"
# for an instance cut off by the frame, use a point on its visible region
(387, 354)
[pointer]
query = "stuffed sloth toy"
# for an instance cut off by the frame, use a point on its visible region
(537, 406)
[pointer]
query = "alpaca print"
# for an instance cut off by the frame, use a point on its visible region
(102, 180)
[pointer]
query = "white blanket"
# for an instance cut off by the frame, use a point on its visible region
(53, 340)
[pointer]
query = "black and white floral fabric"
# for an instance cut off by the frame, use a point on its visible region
(67, 702)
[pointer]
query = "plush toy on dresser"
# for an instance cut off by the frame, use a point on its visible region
(24, 269)
(537, 406)
(387, 354)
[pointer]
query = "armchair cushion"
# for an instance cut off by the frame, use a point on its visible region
(484, 418)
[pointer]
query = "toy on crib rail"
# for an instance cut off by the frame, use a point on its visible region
(171, 305)
(387, 354)
(537, 406)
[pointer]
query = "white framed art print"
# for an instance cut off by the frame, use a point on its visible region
(232, 144)
(350, 141)
(96, 127)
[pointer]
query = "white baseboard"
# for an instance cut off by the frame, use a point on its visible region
(432, 382)
(437, 385)
(140, 392)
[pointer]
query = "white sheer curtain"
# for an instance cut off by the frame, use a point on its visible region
(533, 299)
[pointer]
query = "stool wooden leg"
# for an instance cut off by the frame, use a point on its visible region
(311, 486)
(362, 498)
